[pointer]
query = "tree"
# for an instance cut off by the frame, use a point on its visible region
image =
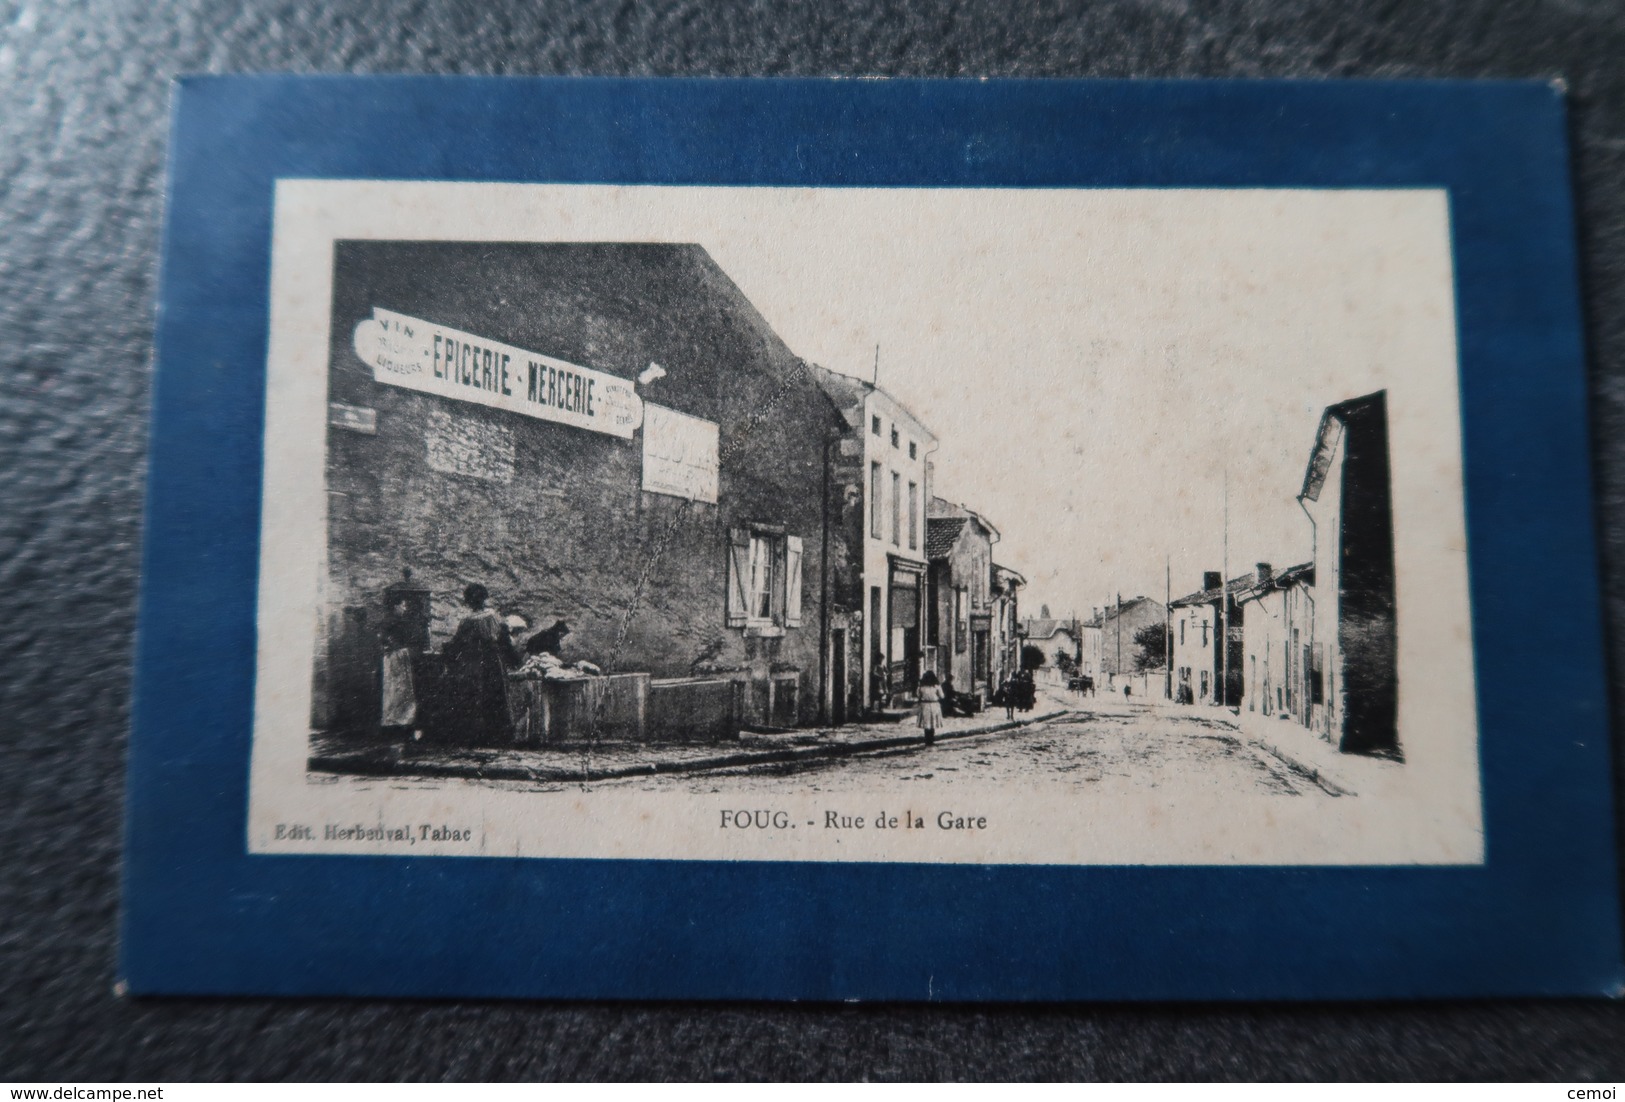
(1031, 657)
(1152, 641)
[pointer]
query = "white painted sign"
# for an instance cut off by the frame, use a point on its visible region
(355, 418)
(679, 454)
(462, 445)
(420, 355)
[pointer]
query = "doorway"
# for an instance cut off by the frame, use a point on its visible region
(838, 676)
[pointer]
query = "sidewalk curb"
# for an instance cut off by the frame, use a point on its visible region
(395, 767)
(1328, 784)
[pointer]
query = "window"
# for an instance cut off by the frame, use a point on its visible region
(894, 436)
(874, 498)
(764, 580)
(896, 509)
(761, 579)
(1182, 633)
(912, 452)
(913, 516)
(874, 424)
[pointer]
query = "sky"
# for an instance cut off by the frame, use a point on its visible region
(1104, 369)
(1100, 366)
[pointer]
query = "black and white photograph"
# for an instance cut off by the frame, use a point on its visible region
(864, 524)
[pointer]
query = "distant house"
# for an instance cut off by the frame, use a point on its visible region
(1281, 671)
(1107, 637)
(1347, 495)
(1055, 637)
(1197, 620)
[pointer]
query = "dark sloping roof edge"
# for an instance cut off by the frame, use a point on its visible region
(1016, 575)
(1352, 411)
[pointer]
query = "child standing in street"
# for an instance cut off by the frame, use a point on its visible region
(930, 706)
(1007, 697)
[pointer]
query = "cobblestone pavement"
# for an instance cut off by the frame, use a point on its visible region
(1108, 750)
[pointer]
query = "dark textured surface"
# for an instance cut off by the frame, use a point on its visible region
(83, 92)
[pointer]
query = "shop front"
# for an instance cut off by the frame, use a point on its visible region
(904, 604)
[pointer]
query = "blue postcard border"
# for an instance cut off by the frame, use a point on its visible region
(1541, 916)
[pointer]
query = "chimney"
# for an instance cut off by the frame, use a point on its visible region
(1265, 573)
(1212, 579)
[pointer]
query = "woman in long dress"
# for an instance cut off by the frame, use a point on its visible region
(477, 662)
(930, 716)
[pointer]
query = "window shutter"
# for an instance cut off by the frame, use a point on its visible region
(792, 581)
(738, 576)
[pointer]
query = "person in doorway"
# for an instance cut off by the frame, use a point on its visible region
(930, 715)
(477, 662)
(399, 712)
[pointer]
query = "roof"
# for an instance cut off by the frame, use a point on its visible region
(1248, 586)
(1302, 574)
(941, 533)
(1045, 629)
(942, 507)
(1111, 612)
(1354, 412)
(1234, 587)
(851, 394)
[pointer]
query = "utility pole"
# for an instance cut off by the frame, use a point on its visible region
(1167, 627)
(1119, 631)
(877, 365)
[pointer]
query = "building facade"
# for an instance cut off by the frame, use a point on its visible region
(692, 542)
(1347, 496)
(1007, 587)
(882, 476)
(1282, 663)
(962, 632)
(1202, 667)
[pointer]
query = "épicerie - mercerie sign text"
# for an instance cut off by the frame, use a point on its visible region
(435, 359)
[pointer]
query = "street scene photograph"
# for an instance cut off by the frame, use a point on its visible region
(1085, 516)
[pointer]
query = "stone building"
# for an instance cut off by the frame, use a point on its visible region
(605, 434)
(1347, 496)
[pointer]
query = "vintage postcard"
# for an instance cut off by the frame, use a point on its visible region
(1040, 526)
(1045, 540)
